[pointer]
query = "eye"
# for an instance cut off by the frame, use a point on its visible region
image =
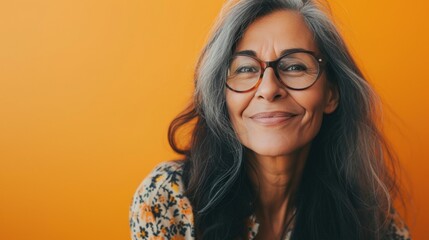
(296, 68)
(246, 69)
(292, 68)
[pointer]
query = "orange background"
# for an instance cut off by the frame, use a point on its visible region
(87, 89)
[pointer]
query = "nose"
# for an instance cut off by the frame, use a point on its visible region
(270, 88)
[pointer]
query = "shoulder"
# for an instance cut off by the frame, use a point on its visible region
(397, 228)
(166, 176)
(159, 207)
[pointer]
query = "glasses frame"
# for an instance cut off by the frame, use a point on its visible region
(273, 64)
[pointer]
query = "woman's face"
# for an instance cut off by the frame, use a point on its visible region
(273, 120)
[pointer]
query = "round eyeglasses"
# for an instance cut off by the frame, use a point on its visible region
(297, 69)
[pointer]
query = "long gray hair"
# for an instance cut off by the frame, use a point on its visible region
(345, 194)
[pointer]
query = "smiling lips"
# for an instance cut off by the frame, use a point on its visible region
(272, 118)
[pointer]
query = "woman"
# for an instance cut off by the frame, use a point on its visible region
(285, 141)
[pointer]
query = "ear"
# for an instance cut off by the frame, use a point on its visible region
(333, 98)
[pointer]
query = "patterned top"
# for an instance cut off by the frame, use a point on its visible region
(160, 211)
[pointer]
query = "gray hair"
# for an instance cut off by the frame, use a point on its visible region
(355, 145)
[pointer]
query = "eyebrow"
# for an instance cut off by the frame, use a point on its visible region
(283, 52)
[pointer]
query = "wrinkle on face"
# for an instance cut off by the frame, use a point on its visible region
(268, 36)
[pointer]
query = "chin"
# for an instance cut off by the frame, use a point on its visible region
(272, 151)
(275, 150)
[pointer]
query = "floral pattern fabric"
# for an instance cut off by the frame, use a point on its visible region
(160, 211)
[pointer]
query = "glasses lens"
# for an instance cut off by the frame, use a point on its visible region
(298, 70)
(243, 73)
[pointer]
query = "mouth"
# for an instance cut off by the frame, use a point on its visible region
(272, 118)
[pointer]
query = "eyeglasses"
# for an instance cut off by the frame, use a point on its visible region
(297, 69)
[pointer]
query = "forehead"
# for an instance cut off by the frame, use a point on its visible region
(269, 35)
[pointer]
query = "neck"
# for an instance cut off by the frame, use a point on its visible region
(275, 180)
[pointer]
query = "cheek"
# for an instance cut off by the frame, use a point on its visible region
(313, 104)
(236, 104)
(314, 99)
